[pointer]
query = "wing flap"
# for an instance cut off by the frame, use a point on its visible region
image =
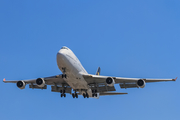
(159, 80)
(128, 85)
(112, 93)
(57, 89)
(36, 87)
(103, 88)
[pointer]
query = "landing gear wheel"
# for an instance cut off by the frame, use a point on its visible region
(64, 95)
(87, 95)
(84, 95)
(61, 95)
(76, 95)
(73, 95)
(63, 75)
(95, 91)
(92, 91)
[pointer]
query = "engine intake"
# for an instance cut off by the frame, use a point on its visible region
(40, 82)
(110, 81)
(21, 84)
(141, 83)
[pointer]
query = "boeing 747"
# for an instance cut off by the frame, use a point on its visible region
(76, 81)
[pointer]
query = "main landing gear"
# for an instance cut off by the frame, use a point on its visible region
(64, 72)
(85, 95)
(63, 93)
(94, 93)
(75, 95)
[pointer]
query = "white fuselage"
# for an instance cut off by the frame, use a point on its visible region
(73, 69)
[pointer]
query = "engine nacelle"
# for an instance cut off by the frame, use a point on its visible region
(40, 82)
(110, 81)
(21, 84)
(141, 83)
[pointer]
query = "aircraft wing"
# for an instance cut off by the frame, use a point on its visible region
(57, 83)
(131, 82)
(15, 81)
(48, 80)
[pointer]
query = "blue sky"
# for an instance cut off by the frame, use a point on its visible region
(125, 38)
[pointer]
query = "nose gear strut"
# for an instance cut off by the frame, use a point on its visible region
(64, 72)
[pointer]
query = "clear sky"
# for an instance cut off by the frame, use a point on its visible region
(126, 38)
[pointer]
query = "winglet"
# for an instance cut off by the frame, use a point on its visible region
(4, 80)
(175, 79)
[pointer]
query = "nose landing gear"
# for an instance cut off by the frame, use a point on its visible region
(63, 75)
(64, 72)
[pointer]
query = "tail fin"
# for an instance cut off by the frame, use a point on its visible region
(98, 71)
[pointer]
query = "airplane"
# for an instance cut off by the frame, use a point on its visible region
(75, 78)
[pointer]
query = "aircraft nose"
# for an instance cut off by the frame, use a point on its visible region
(60, 53)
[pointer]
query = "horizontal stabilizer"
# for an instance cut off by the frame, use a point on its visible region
(112, 93)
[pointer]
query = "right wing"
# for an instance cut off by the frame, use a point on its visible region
(49, 80)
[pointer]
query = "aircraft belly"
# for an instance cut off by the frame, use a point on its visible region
(74, 79)
(76, 83)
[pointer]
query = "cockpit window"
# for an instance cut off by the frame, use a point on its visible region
(64, 48)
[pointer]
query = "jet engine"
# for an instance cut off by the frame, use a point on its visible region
(110, 81)
(141, 83)
(40, 82)
(21, 84)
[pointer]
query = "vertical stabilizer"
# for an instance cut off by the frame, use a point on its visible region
(98, 71)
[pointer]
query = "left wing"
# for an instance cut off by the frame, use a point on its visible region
(129, 82)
